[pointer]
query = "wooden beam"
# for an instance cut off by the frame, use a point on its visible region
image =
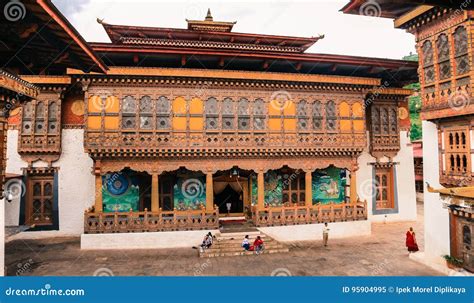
(32, 28)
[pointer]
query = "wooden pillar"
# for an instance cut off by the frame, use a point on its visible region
(260, 191)
(3, 151)
(308, 188)
(98, 193)
(353, 188)
(209, 192)
(155, 201)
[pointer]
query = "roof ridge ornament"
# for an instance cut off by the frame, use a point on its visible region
(209, 15)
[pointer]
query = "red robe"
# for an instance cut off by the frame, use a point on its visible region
(411, 241)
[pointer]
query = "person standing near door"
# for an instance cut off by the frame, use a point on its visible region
(229, 206)
(325, 234)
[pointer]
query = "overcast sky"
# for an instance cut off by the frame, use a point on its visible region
(344, 34)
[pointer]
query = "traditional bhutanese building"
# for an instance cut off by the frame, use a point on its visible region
(176, 129)
(444, 34)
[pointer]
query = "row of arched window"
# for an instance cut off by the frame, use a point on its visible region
(443, 56)
(226, 114)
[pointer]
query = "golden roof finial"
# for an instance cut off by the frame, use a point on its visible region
(209, 15)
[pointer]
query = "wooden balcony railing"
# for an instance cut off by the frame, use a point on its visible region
(146, 221)
(293, 215)
(153, 141)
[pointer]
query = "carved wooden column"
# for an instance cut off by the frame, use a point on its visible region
(98, 193)
(209, 192)
(155, 204)
(353, 185)
(3, 148)
(308, 188)
(260, 190)
(98, 206)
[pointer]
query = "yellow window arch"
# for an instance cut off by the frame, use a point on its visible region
(358, 115)
(179, 114)
(196, 111)
(345, 114)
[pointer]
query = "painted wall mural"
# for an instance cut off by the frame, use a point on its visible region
(329, 185)
(189, 192)
(120, 192)
(273, 189)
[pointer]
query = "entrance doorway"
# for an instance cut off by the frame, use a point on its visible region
(229, 200)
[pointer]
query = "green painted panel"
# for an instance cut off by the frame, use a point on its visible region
(329, 185)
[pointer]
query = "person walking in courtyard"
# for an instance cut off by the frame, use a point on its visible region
(325, 234)
(245, 243)
(258, 245)
(411, 241)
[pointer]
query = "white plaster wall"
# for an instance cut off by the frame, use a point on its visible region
(436, 217)
(15, 165)
(312, 232)
(76, 191)
(406, 191)
(405, 173)
(148, 240)
(75, 183)
(14, 162)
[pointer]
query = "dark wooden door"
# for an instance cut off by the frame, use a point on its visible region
(40, 199)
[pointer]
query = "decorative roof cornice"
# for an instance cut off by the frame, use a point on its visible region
(210, 44)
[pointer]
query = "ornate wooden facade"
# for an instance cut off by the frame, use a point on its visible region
(13, 91)
(445, 43)
(209, 101)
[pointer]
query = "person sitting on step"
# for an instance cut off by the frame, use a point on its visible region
(258, 245)
(245, 243)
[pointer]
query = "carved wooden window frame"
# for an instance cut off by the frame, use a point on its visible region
(457, 150)
(443, 52)
(461, 55)
(293, 187)
(428, 62)
(41, 125)
(384, 188)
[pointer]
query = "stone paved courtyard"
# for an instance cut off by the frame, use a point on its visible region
(382, 253)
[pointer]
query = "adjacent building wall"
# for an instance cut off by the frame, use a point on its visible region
(436, 217)
(405, 195)
(76, 191)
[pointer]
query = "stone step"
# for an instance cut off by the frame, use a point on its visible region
(231, 245)
(239, 243)
(211, 254)
(240, 235)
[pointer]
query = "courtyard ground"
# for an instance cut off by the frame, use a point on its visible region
(382, 253)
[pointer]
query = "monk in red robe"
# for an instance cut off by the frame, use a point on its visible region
(411, 241)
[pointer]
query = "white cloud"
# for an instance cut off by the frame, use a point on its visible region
(344, 34)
